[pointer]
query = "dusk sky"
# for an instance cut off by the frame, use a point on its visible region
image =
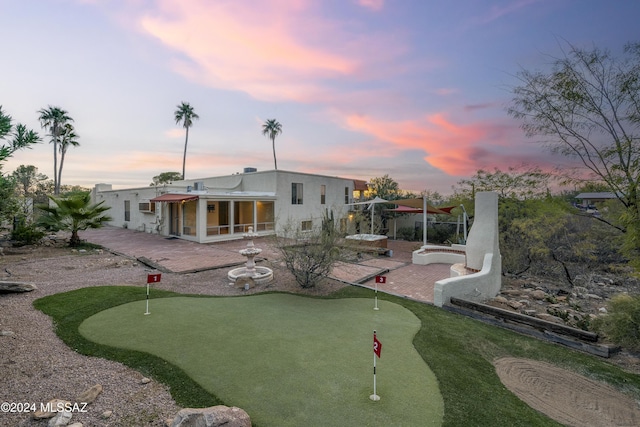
(416, 89)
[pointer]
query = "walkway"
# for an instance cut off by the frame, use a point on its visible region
(180, 256)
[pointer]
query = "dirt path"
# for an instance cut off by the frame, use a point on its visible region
(567, 397)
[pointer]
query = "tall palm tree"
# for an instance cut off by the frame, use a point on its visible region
(271, 128)
(186, 115)
(54, 119)
(68, 137)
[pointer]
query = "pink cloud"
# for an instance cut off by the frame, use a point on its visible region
(456, 149)
(375, 5)
(273, 50)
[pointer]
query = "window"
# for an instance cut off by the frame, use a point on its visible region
(296, 193)
(346, 195)
(127, 210)
(242, 216)
(306, 225)
(147, 207)
(189, 215)
(323, 194)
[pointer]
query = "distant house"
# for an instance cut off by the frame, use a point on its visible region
(223, 208)
(587, 200)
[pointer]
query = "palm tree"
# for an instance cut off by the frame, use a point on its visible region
(186, 115)
(54, 119)
(73, 214)
(272, 128)
(68, 138)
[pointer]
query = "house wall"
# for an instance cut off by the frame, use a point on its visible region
(115, 199)
(311, 208)
(240, 190)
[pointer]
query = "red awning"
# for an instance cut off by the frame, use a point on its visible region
(359, 185)
(175, 198)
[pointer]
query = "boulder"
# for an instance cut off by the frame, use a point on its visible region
(538, 294)
(213, 416)
(17, 287)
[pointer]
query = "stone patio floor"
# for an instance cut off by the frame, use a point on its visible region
(180, 256)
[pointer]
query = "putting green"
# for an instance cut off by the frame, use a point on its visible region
(287, 360)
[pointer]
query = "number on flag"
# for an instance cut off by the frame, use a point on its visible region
(381, 279)
(377, 346)
(153, 278)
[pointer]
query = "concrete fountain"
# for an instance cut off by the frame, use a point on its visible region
(250, 274)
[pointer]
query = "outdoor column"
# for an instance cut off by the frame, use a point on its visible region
(255, 215)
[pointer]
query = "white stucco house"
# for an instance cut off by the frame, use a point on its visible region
(223, 208)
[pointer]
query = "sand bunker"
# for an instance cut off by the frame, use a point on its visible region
(568, 398)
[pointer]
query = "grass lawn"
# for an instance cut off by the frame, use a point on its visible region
(285, 359)
(458, 350)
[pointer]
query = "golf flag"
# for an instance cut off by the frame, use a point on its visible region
(377, 345)
(381, 279)
(153, 278)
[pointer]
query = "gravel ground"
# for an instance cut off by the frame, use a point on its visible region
(36, 366)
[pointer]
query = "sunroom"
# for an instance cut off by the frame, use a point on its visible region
(208, 217)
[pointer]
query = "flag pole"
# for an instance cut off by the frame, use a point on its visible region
(147, 312)
(376, 304)
(374, 396)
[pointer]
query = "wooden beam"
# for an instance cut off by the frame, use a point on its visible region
(526, 320)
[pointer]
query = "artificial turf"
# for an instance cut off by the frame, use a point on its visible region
(287, 360)
(459, 351)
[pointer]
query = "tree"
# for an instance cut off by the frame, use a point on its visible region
(271, 128)
(19, 136)
(73, 214)
(517, 183)
(166, 178)
(588, 107)
(186, 115)
(13, 138)
(27, 179)
(27, 184)
(54, 119)
(68, 138)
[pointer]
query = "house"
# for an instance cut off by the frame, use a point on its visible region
(223, 208)
(589, 200)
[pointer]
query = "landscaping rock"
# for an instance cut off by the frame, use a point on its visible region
(514, 304)
(17, 287)
(213, 416)
(501, 300)
(89, 395)
(538, 294)
(60, 419)
(145, 381)
(52, 404)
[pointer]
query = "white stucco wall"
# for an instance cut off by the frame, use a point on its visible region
(276, 186)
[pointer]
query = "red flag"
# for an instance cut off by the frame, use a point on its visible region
(153, 278)
(381, 279)
(377, 346)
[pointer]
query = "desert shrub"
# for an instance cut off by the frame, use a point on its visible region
(26, 234)
(310, 254)
(406, 233)
(622, 323)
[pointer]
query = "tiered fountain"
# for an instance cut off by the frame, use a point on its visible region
(258, 275)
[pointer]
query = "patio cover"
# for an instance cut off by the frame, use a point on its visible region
(418, 203)
(175, 198)
(430, 209)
